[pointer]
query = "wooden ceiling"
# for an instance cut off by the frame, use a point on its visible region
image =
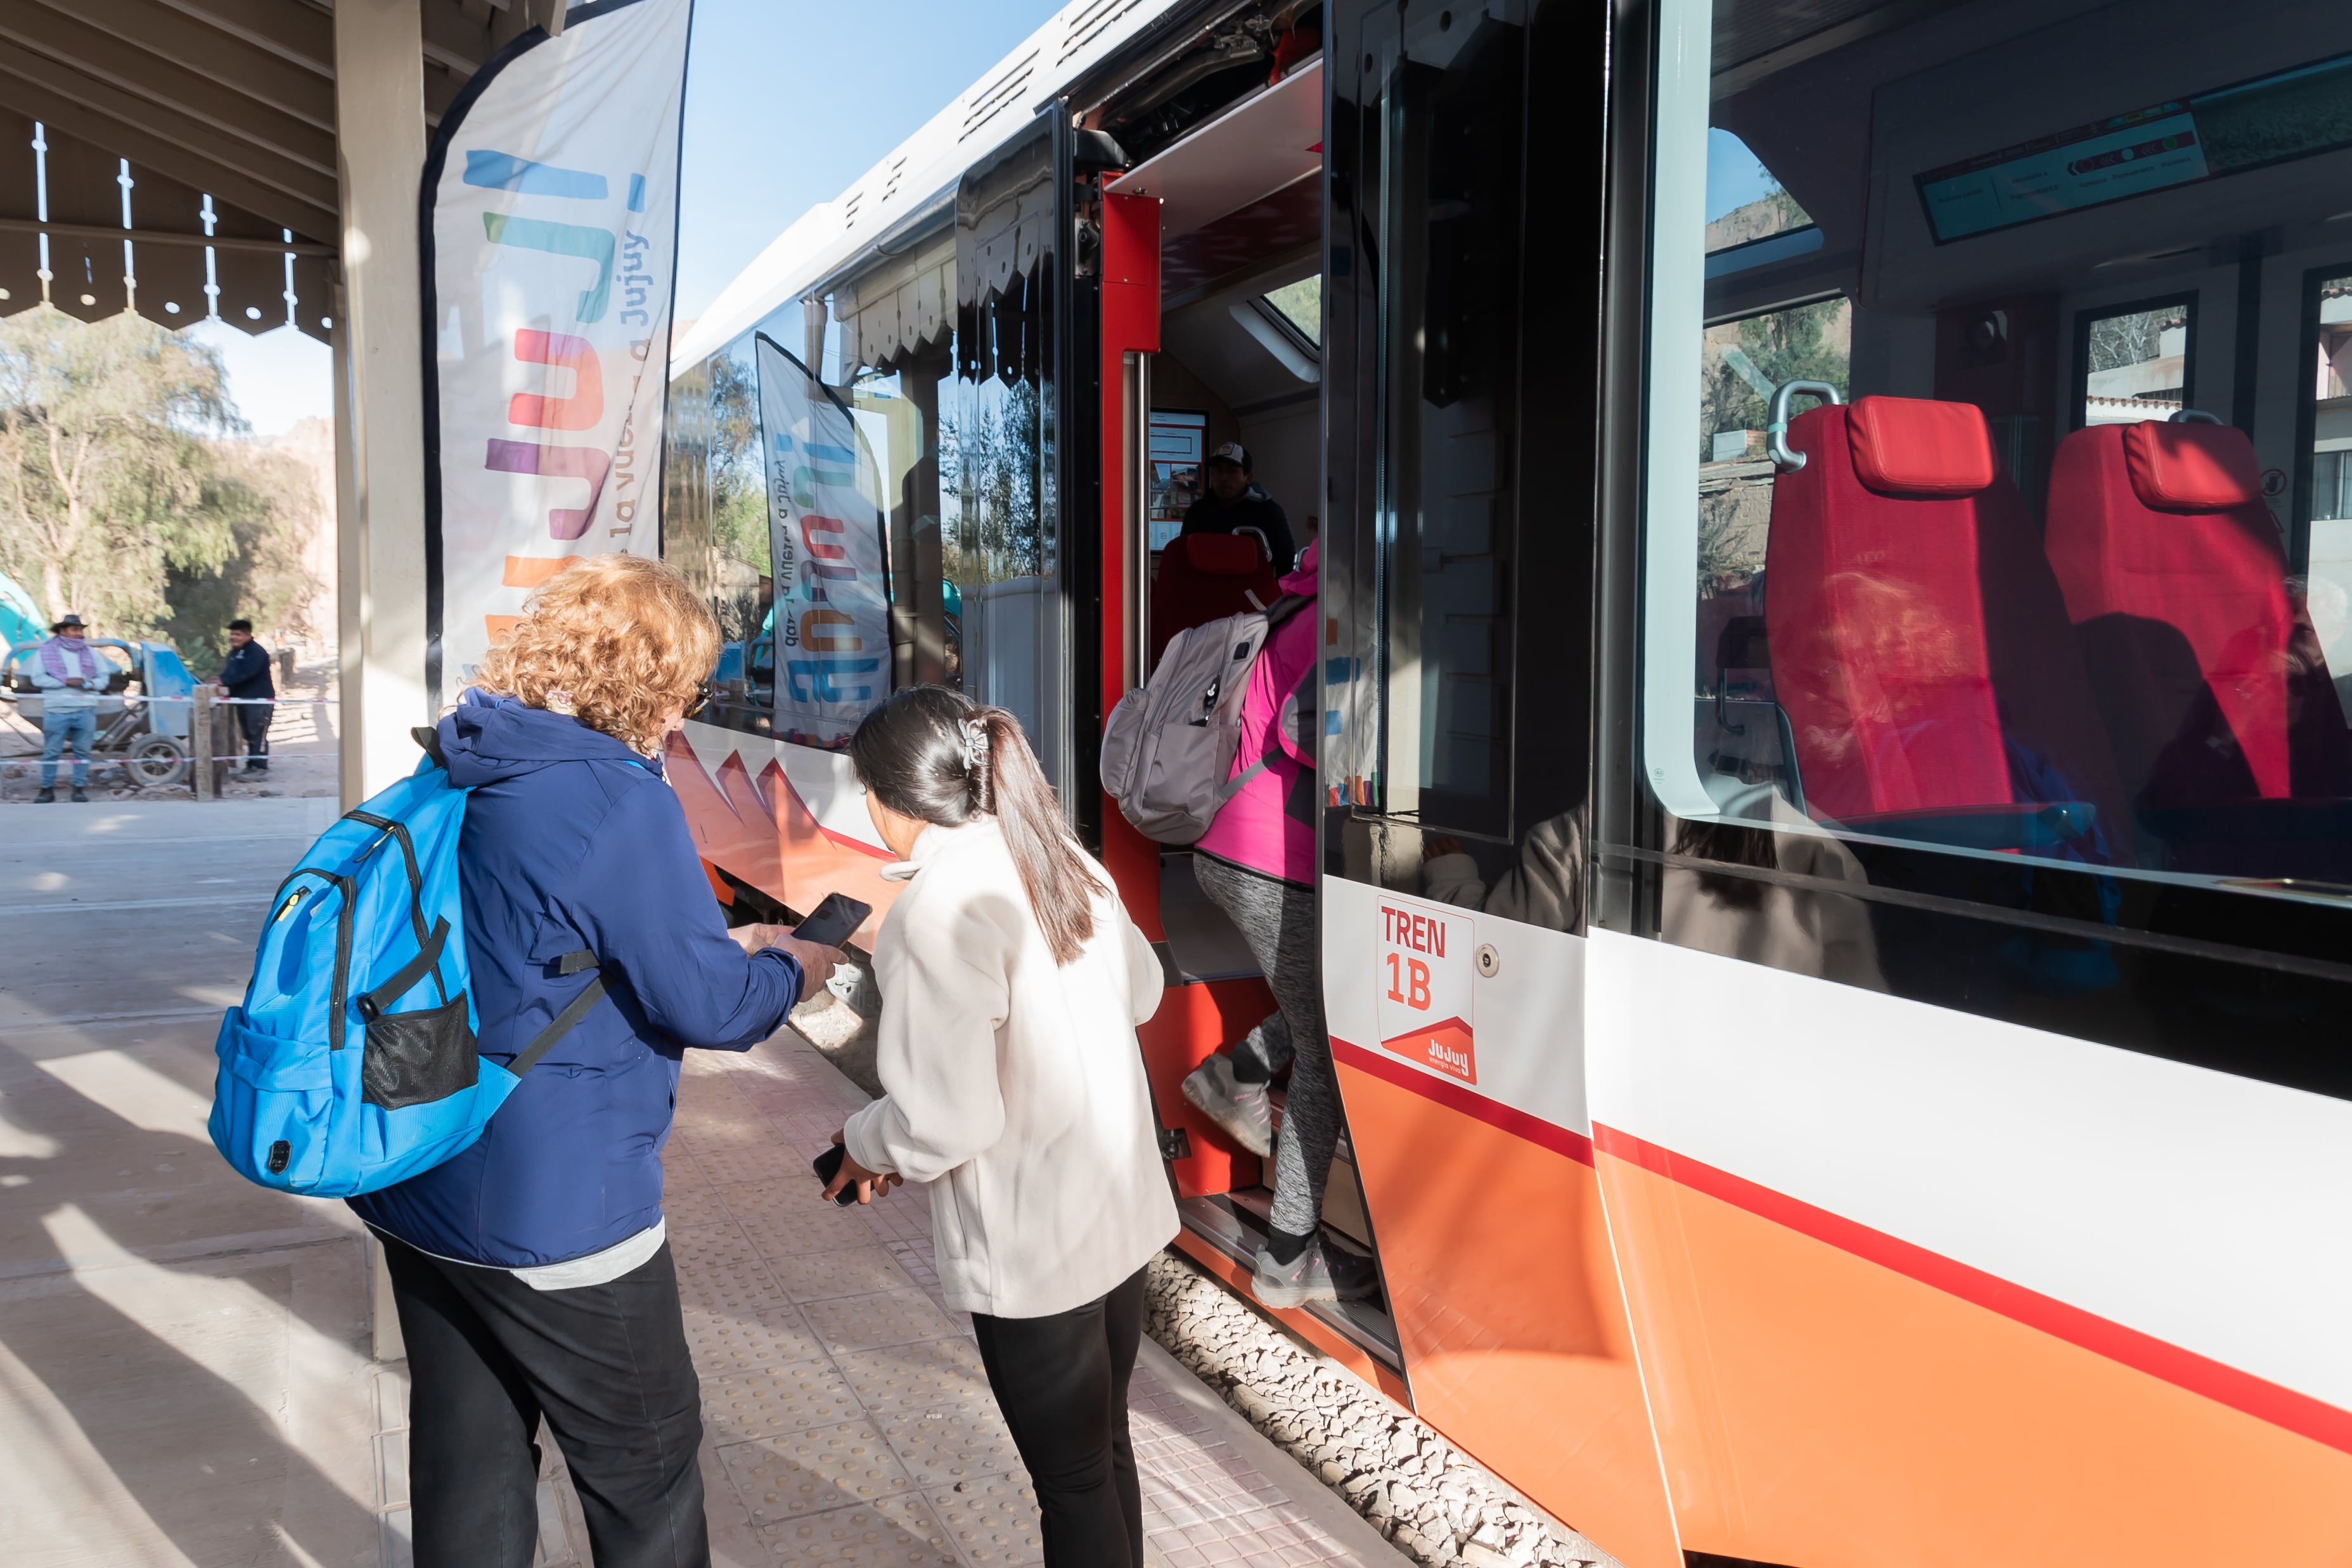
(230, 101)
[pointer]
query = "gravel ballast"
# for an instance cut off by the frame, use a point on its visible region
(1433, 1504)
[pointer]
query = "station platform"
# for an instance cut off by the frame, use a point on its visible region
(189, 1370)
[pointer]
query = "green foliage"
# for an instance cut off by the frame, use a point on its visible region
(1808, 342)
(265, 496)
(107, 481)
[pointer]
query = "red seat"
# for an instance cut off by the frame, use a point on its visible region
(2208, 673)
(1920, 645)
(1205, 577)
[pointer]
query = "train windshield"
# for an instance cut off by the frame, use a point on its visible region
(2000, 380)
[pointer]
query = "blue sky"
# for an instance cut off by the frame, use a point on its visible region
(1734, 177)
(787, 101)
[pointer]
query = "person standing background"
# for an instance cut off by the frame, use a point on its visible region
(1237, 504)
(71, 675)
(245, 679)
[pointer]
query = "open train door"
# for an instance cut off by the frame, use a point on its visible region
(1463, 334)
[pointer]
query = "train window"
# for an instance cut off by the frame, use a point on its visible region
(2134, 361)
(1301, 305)
(1965, 529)
(1002, 549)
(1447, 414)
(735, 565)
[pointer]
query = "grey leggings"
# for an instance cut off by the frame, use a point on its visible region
(1277, 921)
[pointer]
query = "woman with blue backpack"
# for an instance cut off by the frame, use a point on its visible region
(532, 1270)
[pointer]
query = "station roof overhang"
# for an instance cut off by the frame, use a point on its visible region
(204, 133)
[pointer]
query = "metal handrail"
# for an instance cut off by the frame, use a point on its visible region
(1785, 457)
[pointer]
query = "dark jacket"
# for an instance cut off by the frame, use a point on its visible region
(247, 673)
(573, 841)
(1256, 509)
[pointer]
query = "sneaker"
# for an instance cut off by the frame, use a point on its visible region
(81, 795)
(46, 798)
(1321, 1273)
(1241, 1109)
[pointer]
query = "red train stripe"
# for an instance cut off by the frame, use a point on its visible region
(1469, 1102)
(2241, 1391)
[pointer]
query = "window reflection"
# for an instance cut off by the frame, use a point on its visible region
(2006, 540)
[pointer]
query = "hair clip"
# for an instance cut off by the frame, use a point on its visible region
(975, 743)
(559, 702)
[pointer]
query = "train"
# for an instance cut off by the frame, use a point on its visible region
(1835, 535)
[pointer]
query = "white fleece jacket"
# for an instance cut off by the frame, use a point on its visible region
(1013, 1085)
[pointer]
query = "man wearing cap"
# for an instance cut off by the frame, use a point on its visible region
(1235, 504)
(245, 677)
(70, 674)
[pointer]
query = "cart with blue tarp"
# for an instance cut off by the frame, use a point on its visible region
(143, 713)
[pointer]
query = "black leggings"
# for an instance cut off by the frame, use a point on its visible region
(1062, 1383)
(606, 1364)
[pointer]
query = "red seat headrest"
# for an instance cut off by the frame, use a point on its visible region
(1919, 448)
(2191, 468)
(1222, 554)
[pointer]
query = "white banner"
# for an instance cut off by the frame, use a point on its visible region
(550, 250)
(824, 536)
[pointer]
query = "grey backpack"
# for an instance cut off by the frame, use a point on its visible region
(1170, 743)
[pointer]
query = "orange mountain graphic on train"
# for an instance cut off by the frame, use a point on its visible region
(1447, 1047)
(764, 833)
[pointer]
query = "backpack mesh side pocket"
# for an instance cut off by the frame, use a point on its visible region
(418, 1057)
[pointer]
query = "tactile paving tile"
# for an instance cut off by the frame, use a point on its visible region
(796, 1473)
(993, 1519)
(726, 1277)
(790, 1216)
(904, 1215)
(726, 1345)
(851, 1271)
(868, 1322)
(929, 1374)
(752, 1161)
(891, 1533)
(944, 1444)
(787, 1398)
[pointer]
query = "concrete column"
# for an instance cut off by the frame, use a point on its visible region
(380, 391)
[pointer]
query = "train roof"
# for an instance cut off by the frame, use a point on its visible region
(918, 176)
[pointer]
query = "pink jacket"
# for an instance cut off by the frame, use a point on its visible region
(1268, 826)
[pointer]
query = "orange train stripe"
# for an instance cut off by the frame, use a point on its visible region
(1454, 1097)
(2241, 1391)
(498, 626)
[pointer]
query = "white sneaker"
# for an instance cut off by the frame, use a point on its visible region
(1242, 1109)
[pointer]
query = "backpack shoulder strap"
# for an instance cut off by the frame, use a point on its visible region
(564, 1022)
(428, 737)
(1282, 609)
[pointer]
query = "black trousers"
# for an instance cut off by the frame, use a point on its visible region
(254, 722)
(606, 1364)
(1062, 1383)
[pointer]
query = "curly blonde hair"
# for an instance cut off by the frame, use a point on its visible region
(618, 641)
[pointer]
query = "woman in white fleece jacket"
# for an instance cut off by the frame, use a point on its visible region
(1012, 983)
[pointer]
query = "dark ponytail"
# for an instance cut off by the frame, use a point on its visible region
(934, 754)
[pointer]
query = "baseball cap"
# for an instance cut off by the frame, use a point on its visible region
(1231, 452)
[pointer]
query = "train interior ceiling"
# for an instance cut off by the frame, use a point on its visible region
(1240, 360)
(2087, 595)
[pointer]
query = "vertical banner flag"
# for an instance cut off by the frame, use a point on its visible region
(550, 228)
(832, 622)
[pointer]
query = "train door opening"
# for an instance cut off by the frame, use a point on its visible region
(1224, 212)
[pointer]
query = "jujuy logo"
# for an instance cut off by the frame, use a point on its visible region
(1428, 980)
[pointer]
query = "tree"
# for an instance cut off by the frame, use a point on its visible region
(270, 500)
(107, 480)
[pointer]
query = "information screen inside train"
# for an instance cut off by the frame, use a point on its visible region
(2287, 114)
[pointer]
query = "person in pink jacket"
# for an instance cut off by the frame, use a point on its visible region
(1256, 863)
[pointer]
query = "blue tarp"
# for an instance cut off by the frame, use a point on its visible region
(21, 620)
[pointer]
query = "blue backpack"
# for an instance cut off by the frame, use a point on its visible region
(352, 1063)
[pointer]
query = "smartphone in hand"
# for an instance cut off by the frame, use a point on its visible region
(828, 1165)
(833, 921)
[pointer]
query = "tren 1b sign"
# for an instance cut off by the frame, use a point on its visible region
(1427, 978)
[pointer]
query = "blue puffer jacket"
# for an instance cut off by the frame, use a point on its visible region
(573, 841)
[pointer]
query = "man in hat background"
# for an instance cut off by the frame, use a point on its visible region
(70, 674)
(246, 676)
(1235, 503)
